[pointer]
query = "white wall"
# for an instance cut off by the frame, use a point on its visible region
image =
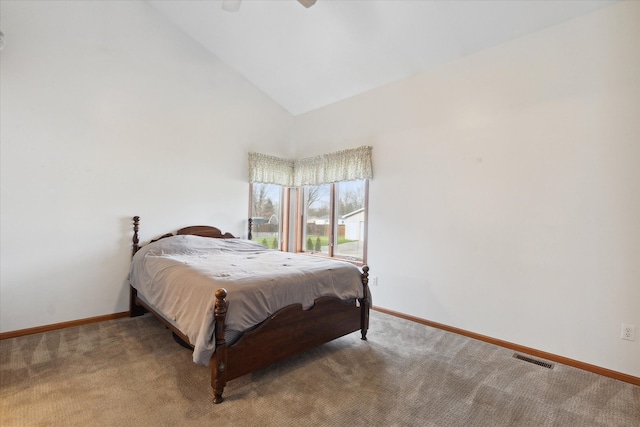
(520, 204)
(506, 190)
(107, 111)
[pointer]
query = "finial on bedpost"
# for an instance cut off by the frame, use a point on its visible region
(136, 222)
(249, 236)
(221, 305)
(365, 275)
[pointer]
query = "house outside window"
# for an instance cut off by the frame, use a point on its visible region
(351, 214)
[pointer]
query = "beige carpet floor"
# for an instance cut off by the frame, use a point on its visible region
(130, 372)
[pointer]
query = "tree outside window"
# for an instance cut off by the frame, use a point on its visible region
(266, 214)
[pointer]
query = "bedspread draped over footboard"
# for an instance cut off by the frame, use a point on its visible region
(179, 276)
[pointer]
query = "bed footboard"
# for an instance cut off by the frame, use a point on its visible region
(288, 332)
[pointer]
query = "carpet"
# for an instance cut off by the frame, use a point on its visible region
(130, 371)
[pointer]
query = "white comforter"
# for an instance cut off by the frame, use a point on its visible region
(179, 275)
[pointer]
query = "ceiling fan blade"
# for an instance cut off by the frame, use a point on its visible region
(231, 5)
(234, 5)
(307, 3)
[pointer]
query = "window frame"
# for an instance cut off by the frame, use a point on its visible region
(292, 233)
(283, 214)
(301, 216)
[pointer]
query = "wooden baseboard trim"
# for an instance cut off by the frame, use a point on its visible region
(45, 328)
(519, 348)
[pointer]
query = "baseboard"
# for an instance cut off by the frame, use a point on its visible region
(519, 348)
(45, 328)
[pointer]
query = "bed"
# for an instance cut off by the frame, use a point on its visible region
(243, 315)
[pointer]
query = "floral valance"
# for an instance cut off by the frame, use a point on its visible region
(345, 165)
(270, 170)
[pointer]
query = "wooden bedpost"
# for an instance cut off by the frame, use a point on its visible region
(364, 303)
(219, 359)
(136, 222)
(250, 236)
(135, 309)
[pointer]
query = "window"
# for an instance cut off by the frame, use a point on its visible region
(266, 214)
(351, 215)
(331, 211)
(334, 217)
(317, 218)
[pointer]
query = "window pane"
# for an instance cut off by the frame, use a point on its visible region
(266, 214)
(350, 217)
(318, 218)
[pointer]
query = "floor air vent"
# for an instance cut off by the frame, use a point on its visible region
(534, 361)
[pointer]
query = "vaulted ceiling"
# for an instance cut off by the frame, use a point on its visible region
(305, 59)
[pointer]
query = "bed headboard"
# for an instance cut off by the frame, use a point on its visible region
(205, 231)
(195, 230)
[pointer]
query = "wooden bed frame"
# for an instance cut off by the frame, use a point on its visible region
(288, 332)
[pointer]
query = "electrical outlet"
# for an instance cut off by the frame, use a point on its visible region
(373, 280)
(628, 332)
